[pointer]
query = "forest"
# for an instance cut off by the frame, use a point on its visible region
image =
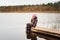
(49, 7)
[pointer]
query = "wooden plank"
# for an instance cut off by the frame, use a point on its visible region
(47, 31)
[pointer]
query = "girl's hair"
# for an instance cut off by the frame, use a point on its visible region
(35, 17)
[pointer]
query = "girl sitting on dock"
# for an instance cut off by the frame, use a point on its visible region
(34, 20)
(32, 24)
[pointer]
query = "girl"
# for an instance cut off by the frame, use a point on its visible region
(34, 21)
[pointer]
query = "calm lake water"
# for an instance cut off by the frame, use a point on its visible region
(12, 25)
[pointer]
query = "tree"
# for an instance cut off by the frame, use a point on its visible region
(50, 4)
(56, 6)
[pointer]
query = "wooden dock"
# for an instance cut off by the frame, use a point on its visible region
(46, 31)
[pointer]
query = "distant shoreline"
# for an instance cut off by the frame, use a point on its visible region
(33, 12)
(49, 8)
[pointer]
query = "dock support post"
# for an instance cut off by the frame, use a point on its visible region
(28, 27)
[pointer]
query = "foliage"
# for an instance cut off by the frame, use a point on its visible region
(29, 8)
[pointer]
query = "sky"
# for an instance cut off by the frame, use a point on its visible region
(24, 2)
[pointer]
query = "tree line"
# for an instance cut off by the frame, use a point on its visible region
(49, 7)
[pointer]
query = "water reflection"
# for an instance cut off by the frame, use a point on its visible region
(37, 36)
(12, 26)
(47, 37)
(30, 35)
